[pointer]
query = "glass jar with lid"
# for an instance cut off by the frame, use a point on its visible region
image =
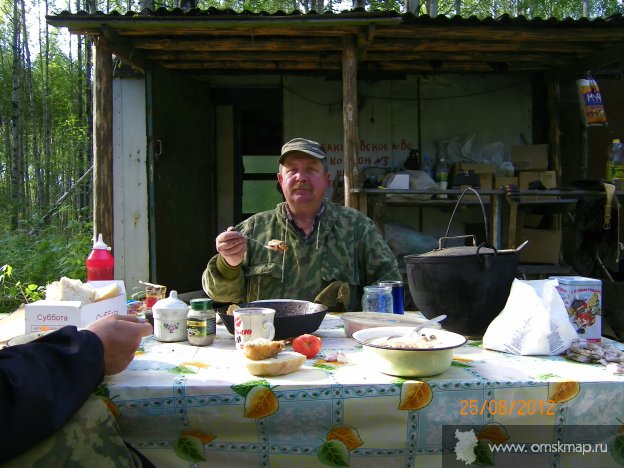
(201, 325)
(377, 299)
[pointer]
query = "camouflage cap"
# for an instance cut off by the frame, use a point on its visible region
(305, 146)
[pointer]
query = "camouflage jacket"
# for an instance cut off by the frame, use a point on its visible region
(345, 247)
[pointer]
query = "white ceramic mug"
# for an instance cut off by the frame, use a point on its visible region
(251, 323)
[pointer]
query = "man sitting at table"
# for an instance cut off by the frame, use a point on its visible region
(328, 252)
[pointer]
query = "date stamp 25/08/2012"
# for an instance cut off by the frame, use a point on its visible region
(474, 407)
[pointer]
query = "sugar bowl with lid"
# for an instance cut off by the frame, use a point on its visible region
(170, 318)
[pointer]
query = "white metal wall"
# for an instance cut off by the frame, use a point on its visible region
(130, 190)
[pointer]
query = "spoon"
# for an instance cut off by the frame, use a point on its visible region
(258, 242)
(437, 319)
(270, 247)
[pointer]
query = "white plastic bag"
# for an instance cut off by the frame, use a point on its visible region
(533, 322)
(418, 180)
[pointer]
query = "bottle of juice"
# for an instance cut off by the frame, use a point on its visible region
(100, 262)
(442, 173)
(615, 160)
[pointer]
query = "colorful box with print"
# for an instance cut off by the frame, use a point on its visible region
(583, 298)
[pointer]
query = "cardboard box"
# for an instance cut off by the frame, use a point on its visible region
(50, 315)
(583, 300)
(477, 168)
(532, 220)
(484, 171)
(543, 247)
(529, 157)
(500, 181)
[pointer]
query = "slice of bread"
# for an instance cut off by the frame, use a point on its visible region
(67, 289)
(261, 348)
(107, 292)
(284, 363)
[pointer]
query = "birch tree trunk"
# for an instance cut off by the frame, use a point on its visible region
(87, 189)
(17, 187)
(31, 153)
(412, 6)
(586, 8)
(45, 114)
(432, 8)
(143, 4)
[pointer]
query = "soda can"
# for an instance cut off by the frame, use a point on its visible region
(397, 295)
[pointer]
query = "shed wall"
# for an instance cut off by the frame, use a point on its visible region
(130, 196)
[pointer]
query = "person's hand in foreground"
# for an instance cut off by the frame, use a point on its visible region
(121, 336)
(232, 245)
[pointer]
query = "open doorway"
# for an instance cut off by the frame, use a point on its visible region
(261, 140)
(257, 124)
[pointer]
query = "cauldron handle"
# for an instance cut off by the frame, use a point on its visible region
(486, 261)
(448, 228)
(442, 240)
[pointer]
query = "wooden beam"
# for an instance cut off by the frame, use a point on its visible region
(103, 145)
(249, 44)
(578, 68)
(365, 40)
(254, 66)
(123, 49)
(215, 56)
(350, 118)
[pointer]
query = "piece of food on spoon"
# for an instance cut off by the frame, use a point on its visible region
(276, 244)
(231, 308)
(261, 348)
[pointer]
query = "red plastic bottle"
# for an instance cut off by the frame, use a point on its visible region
(100, 262)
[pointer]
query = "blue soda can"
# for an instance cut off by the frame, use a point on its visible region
(397, 295)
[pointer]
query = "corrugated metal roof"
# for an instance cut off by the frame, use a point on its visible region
(390, 44)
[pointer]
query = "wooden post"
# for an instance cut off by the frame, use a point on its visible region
(554, 137)
(554, 104)
(103, 145)
(350, 119)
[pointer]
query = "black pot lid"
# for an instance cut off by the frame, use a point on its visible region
(462, 251)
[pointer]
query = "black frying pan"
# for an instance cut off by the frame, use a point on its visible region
(292, 317)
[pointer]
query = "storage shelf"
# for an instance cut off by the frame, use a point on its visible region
(551, 201)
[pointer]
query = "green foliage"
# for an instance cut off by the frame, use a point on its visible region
(14, 291)
(32, 260)
(479, 8)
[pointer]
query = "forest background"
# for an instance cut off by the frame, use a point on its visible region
(46, 116)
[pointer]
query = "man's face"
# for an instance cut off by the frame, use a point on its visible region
(303, 179)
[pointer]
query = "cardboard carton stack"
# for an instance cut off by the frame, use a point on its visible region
(485, 172)
(531, 164)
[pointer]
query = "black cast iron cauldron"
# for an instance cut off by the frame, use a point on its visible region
(470, 284)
